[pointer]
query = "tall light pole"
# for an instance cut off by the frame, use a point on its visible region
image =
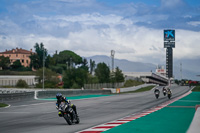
(112, 57)
(181, 70)
(112, 74)
(43, 69)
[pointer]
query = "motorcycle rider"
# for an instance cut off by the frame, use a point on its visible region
(60, 99)
(157, 92)
(169, 91)
(164, 90)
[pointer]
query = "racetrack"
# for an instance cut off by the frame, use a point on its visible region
(41, 116)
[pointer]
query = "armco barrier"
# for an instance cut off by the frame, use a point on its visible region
(16, 96)
(52, 93)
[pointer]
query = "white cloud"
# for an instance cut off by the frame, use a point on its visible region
(86, 19)
(96, 33)
(194, 23)
(130, 41)
(187, 44)
(171, 3)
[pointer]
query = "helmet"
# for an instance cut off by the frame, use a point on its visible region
(58, 95)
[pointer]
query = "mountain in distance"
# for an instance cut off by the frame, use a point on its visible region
(130, 66)
(190, 69)
(123, 64)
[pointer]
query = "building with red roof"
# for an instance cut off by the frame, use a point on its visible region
(18, 54)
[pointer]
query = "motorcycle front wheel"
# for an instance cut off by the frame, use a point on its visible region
(68, 119)
(77, 120)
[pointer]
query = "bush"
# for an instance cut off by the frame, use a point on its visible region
(197, 88)
(47, 84)
(21, 84)
(75, 86)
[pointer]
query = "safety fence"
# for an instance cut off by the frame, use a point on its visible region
(7, 80)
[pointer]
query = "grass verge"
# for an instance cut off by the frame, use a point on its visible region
(140, 90)
(3, 105)
(197, 88)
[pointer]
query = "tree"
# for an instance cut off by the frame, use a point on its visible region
(50, 77)
(4, 62)
(119, 77)
(17, 64)
(75, 77)
(103, 73)
(69, 58)
(37, 59)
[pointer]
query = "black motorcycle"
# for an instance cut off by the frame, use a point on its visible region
(164, 92)
(66, 111)
(157, 93)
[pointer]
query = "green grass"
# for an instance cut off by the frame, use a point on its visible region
(197, 88)
(3, 105)
(130, 83)
(140, 90)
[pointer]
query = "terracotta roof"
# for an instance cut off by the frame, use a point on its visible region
(17, 51)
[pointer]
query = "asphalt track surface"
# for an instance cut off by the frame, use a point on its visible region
(39, 116)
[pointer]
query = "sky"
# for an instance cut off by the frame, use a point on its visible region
(133, 28)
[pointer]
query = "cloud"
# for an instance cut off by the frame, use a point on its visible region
(194, 23)
(134, 31)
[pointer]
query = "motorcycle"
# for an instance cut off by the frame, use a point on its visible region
(66, 111)
(169, 94)
(164, 92)
(157, 92)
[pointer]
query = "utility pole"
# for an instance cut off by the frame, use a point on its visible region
(181, 70)
(112, 73)
(112, 58)
(43, 69)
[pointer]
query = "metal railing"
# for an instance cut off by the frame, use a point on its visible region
(103, 85)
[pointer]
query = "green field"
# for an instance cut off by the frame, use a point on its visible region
(3, 105)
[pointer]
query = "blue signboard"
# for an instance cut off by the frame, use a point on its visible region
(169, 35)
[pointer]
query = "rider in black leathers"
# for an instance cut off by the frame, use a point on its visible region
(60, 99)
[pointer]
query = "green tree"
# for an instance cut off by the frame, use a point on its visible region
(50, 77)
(69, 58)
(119, 77)
(92, 79)
(75, 77)
(4, 62)
(103, 73)
(16, 65)
(37, 59)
